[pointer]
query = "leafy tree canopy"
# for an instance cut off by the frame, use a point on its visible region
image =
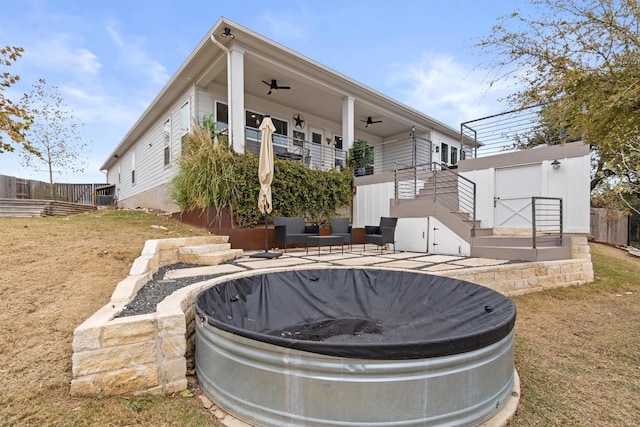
(582, 59)
(55, 132)
(14, 120)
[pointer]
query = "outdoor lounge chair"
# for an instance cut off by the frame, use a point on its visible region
(381, 234)
(293, 230)
(340, 227)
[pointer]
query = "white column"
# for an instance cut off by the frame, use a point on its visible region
(348, 122)
(235, 96)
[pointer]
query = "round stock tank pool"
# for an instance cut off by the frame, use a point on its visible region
(355, 347)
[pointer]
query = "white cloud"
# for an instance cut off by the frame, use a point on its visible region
(446, 89)
(59, 53)
(288, 25)
(93, 105)
(133, 56)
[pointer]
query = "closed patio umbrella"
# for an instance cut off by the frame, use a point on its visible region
(265, 176)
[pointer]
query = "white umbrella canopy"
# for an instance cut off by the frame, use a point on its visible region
(265, 176)
(265, 165)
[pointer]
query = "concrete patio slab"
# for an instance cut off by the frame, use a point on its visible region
(360, 261)
(202, 271)
(272, 263)
(403, 263)
(479, 262)
(442, 267)
(438, 258)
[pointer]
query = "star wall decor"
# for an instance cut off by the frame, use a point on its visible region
(299, 121)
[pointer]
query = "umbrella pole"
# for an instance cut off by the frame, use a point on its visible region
(266, 253)
(266, 232)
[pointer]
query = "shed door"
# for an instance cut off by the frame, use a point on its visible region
(514, 188)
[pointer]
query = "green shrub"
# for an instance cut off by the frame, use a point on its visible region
(219, 178)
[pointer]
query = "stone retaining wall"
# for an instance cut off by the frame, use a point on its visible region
(137, 354)
(152, 353)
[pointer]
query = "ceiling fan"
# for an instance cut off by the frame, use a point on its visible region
(370, 121)
(274, 86)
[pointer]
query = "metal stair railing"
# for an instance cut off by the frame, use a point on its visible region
(546, 220)
(440, 183)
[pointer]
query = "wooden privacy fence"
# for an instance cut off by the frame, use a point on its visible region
(609, 226)
(84, 194)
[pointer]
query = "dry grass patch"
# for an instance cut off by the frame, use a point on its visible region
(578, 348)
(56, 272)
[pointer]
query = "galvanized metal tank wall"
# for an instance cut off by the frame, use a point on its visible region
(268, 385)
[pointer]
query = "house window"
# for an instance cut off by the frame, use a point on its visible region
(316, 138)
(280, 135)
(253, 121)
(454, 155)
(185, 117)
(222, 116)
(133, 167)
(166, 138)
(444, 153)
(338, 142)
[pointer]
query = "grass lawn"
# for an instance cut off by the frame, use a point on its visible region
(577, 349)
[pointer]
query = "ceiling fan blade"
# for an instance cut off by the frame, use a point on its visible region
(284, 87)
(267, 83)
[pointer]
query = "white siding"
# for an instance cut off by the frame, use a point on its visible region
(570, 182)
(150, 169)
(372, 202)
(204, 104)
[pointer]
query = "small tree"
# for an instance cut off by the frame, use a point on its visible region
(582, 59)
(14, 120)
(54, 132)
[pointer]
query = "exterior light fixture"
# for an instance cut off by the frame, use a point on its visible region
(555, 164)
(227, 33)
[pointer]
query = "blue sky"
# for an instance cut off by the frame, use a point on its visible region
(110, 58)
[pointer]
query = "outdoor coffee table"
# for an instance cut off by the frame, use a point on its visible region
(323, 241)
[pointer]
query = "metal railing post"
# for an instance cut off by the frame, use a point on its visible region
(533, 222)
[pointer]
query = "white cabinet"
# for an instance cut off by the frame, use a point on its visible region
(412, 234)
(428, 235)
(444, 241)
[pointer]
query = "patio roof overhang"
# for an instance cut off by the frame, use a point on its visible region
(315, 87)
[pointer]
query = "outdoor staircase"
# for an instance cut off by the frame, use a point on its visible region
(31, 208)
(208, 254)
(438, 194)
(518, 247)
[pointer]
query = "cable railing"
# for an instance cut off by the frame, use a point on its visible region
(546, 220)
(315, 155)
(439, 183)
(505, 132)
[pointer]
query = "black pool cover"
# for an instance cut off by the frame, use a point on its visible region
(360, 313)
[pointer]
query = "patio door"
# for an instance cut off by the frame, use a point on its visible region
(514, 188)
(322, 151)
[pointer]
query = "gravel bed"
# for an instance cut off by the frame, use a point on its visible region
(157, 289)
